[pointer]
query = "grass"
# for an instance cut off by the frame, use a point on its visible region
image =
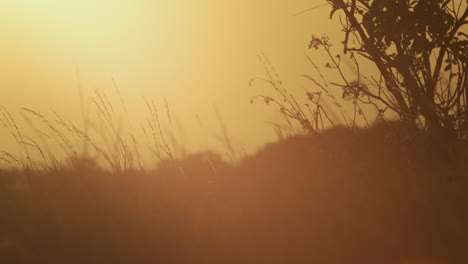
(320, 110)
(325, 198)
(334, 193)
(105, 137)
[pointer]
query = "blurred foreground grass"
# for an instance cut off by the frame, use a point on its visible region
(377, 195)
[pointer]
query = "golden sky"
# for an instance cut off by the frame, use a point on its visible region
(196, 53)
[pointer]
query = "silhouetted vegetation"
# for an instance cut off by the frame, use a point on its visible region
(420, 51)
(339, 193)
(408, 58)
(378, 195)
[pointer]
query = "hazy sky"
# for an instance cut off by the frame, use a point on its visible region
(197, 53)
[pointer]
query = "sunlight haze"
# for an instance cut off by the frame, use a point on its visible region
(198, 54)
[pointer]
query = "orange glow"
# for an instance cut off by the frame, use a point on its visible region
(208, 131)
(195, 53)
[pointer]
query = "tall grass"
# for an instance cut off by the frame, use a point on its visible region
(106, 135)
(340, 196)
(82, 193)
(327, 103)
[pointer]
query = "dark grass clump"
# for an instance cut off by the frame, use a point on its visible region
(379, 195)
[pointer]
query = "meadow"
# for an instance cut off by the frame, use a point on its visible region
(370, 164)
(384, 194)
(335, 188)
